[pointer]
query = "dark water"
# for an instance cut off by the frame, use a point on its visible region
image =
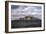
(26, 23)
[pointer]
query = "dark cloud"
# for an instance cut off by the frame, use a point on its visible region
(37, 7)
(14, 6)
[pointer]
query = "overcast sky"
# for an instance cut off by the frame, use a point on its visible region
(19, 11)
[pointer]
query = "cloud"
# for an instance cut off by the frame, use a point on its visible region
(18, 11)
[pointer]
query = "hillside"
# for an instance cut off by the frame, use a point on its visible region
(32, 22)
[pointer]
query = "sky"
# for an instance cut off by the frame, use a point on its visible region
(20, 11)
